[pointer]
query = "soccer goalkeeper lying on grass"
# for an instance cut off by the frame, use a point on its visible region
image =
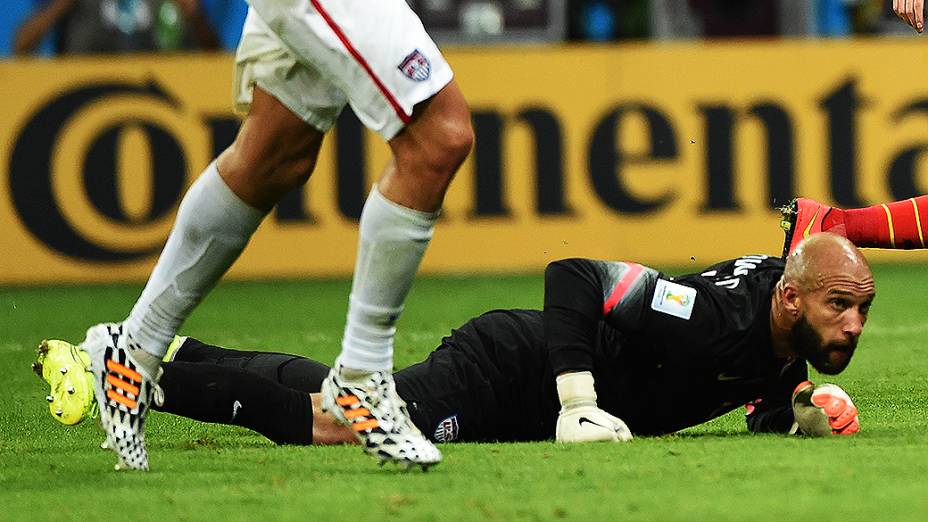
(619, 349)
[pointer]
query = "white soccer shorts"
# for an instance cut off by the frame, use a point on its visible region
(314, 56)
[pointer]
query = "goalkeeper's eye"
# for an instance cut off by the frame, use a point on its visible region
(865, 308)
(839, 303)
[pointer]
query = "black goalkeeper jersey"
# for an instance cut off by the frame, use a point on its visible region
(666, 353)
(672, 352)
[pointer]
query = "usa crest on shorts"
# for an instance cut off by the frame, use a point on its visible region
(447, 429)
(416, 66)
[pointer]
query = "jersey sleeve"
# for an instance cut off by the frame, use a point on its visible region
(773, 413)
(576, 291)
(633, 299)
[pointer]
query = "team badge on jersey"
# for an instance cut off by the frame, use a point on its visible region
(447, 429)
(673, 299)
(416, 66)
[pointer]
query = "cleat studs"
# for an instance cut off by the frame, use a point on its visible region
(64, 370)
(59, 412)
(70, 390)
(49, 398)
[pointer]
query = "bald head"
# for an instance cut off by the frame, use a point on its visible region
(822, 301)
(824, 258)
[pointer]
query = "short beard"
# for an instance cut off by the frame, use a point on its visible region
(809, 345)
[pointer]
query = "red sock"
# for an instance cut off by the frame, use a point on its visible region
(900, 225)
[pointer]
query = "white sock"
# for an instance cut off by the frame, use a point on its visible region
(213, 226)
(393, 240)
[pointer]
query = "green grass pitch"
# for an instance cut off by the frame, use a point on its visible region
(199, 471)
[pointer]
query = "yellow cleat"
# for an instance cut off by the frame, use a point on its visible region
(66, 369)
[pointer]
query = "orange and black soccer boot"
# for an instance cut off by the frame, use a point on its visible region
(367, 402)
(125, 385)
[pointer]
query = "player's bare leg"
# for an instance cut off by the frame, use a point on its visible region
(326, 429)
(396, 226)
(274, 152)
(429, 151)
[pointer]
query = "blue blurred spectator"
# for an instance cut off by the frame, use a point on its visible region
(598, 21)
(605, 20)
(228, 18)
(117, 26)
(12, 14)
(832, 18)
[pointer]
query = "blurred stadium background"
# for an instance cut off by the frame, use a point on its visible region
(661, 131)
(665, 131)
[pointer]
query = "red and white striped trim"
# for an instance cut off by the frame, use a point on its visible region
(405, 118)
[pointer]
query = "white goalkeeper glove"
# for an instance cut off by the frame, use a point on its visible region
(823, 410)
(580, 419)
